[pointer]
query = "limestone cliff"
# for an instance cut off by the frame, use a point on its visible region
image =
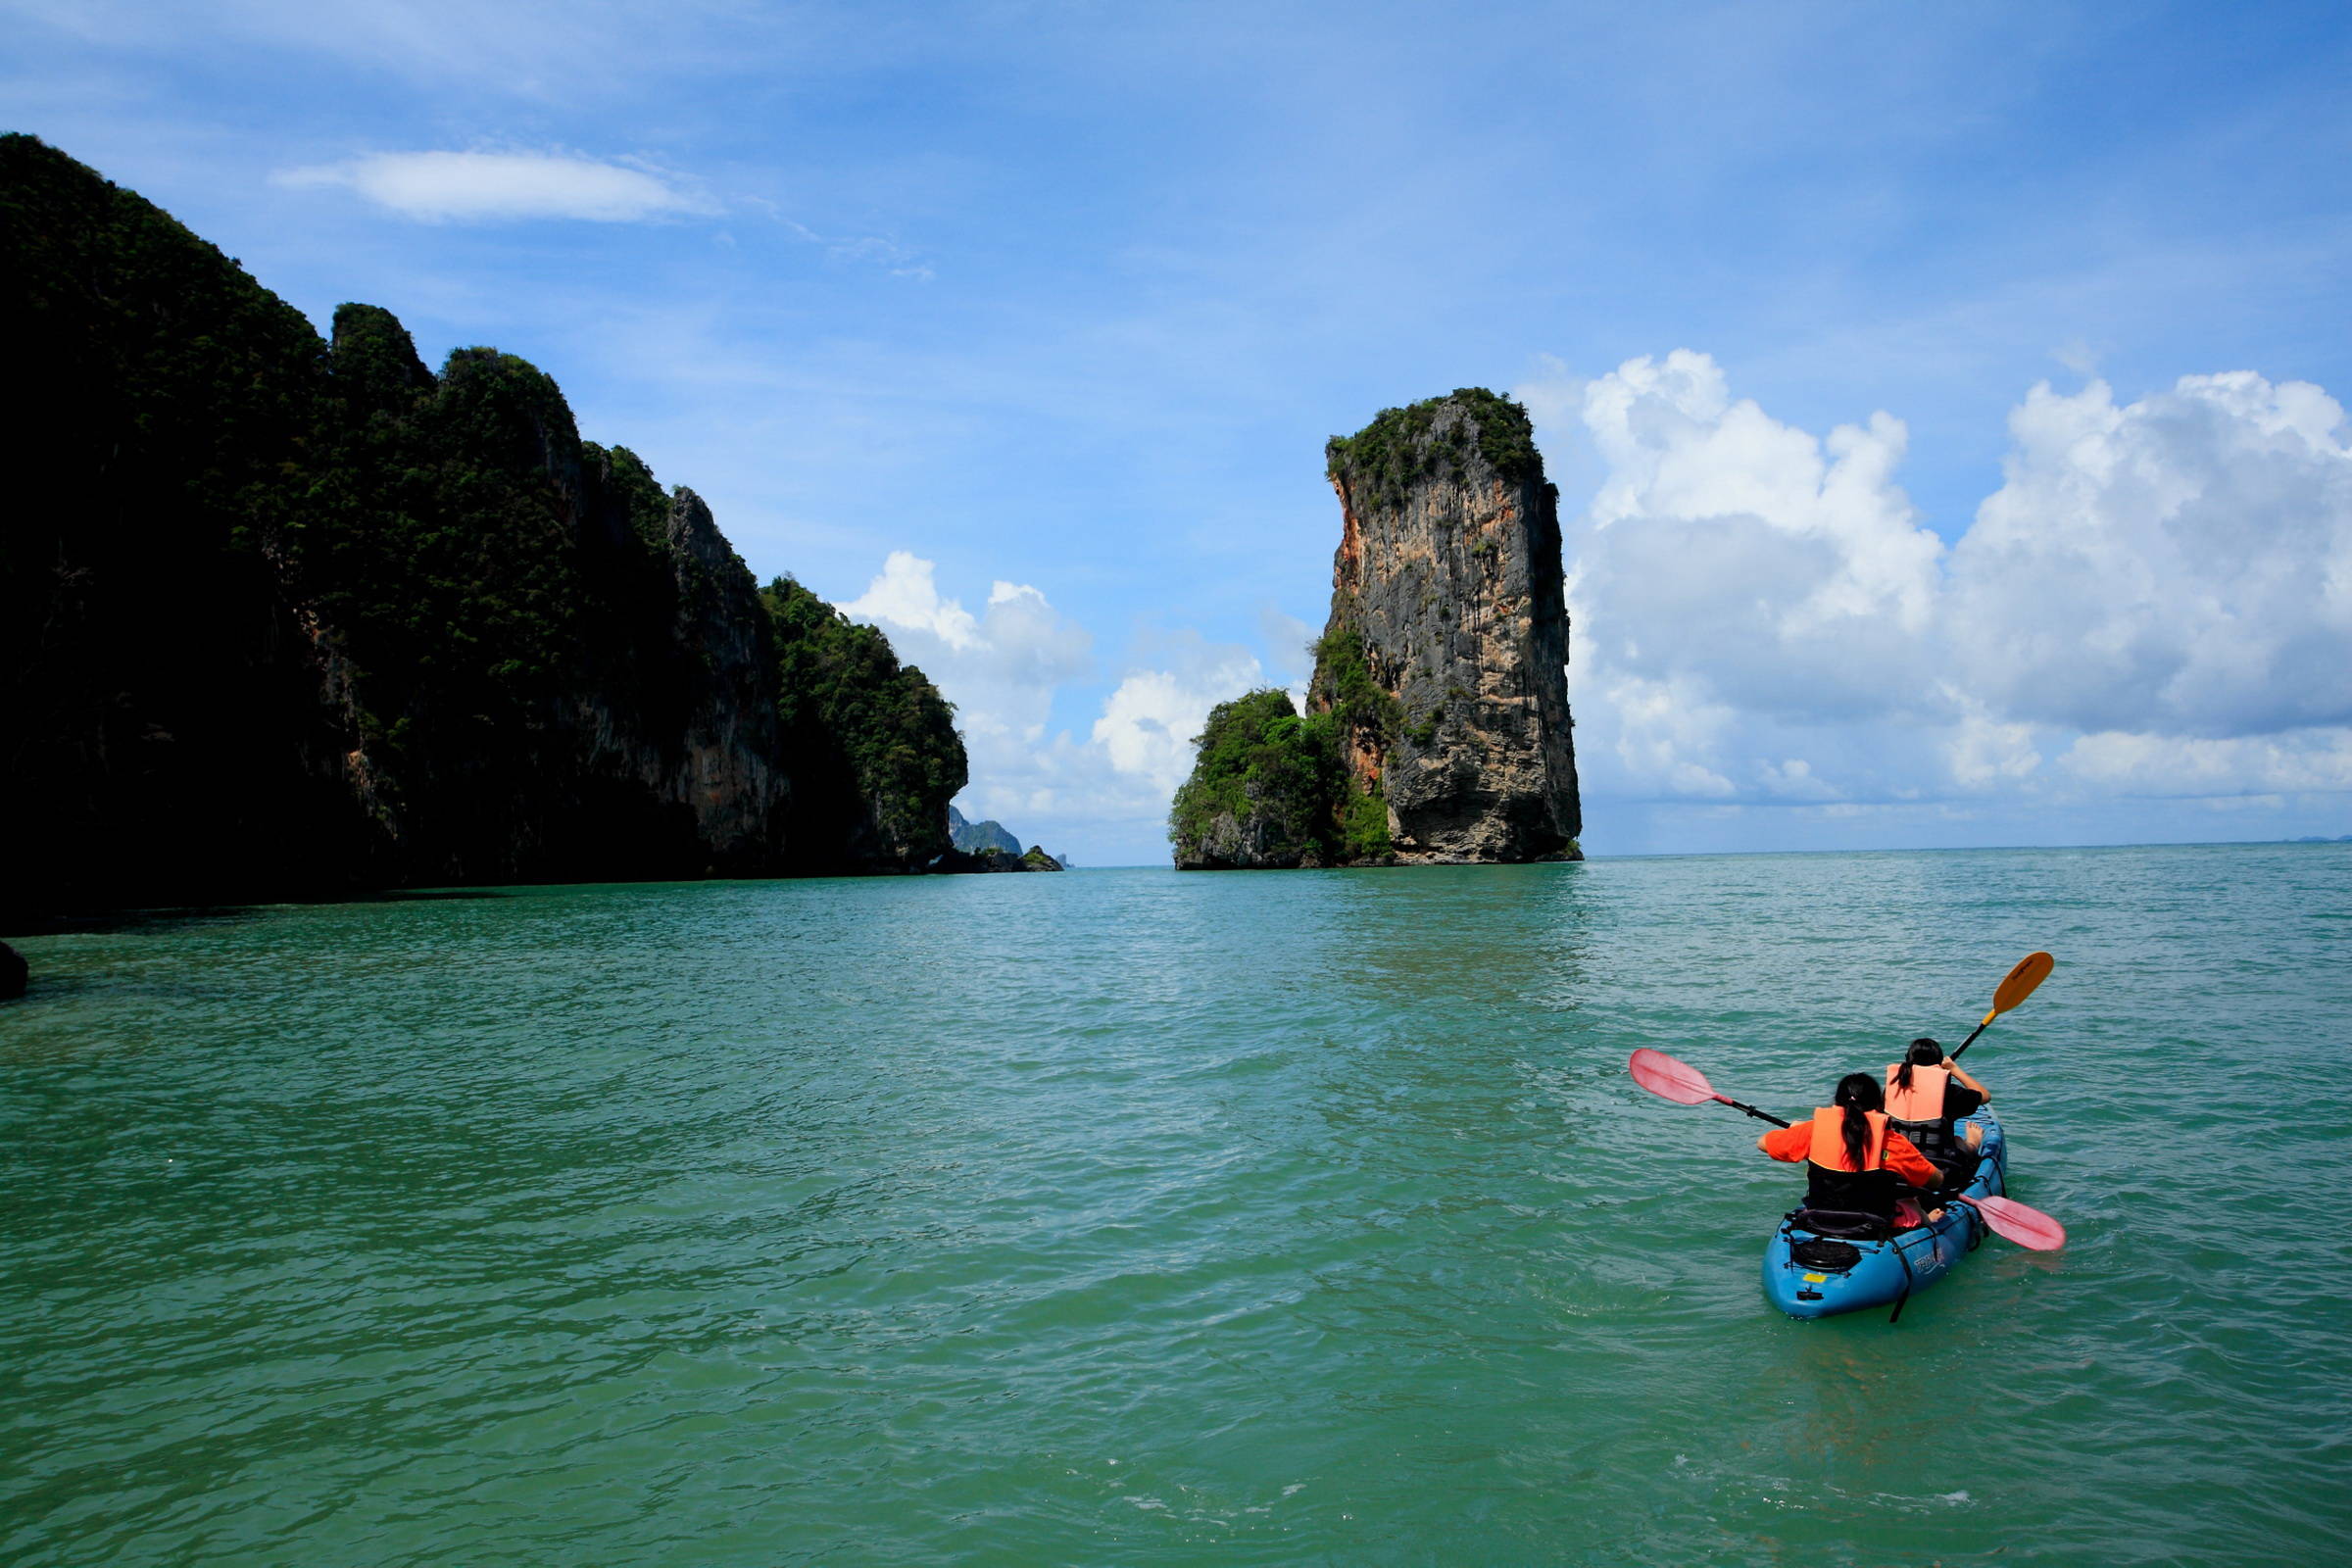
(1446, 655)
(283, 617)
(1437, 727)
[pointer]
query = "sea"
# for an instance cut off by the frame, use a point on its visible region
(1138, 1217)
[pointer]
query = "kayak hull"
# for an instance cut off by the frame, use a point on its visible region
(1888, 1272)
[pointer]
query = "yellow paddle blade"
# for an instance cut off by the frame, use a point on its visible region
(2032, 970)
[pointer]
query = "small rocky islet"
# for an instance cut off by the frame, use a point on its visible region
(1437, 728)
(989, 846)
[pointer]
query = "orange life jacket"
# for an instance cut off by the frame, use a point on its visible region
(1923, 1100)
(1829, 1141)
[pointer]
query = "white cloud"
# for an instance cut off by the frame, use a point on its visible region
(436, 187)
(1743, 556)
(2180, 565)
(1003, 669)
(2157, 601)
(905, 598)
(1149, 723)
(2307, 761)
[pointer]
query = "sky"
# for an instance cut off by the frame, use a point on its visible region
(1947, 402)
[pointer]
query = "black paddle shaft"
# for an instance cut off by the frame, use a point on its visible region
(1753, 1111)
(1969, 1041)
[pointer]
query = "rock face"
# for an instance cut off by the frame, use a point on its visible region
(283, 617)
(874, 750)
(1437, 728)
(1446, 655)
(548, 667)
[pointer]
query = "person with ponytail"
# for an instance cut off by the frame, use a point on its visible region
(1857, 1163)
(1926, 1095)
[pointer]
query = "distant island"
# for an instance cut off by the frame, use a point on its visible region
(289, 618)
(990, 847)
(1437, 728)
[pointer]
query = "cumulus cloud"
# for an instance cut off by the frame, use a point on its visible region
(2157, 601)
(436, 187)
(1003, 667)
(1149, 724)
(1720, 532)
(1000, 667)
(2180, 565)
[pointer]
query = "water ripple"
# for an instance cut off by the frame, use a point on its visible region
(1144, 1218)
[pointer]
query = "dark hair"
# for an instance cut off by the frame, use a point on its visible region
(1925, 1053)
(1858, 1092)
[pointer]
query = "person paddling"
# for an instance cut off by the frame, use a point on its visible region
(1855, 1160)
(1926, 1095)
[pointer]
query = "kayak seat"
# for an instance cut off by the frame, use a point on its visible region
(1843, 1223)
(1831, 1256)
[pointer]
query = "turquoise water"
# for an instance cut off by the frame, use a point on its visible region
(1131, 1217)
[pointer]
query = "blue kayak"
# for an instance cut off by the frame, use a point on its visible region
(1811, 1275)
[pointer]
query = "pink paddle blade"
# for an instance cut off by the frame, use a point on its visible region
(2014, 1221)
(1669, 1079)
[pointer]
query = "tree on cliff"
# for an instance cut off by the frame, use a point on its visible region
(1263, 791)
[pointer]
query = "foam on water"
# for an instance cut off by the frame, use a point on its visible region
(1144, 1218)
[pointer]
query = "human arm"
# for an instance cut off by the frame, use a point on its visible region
(1985, 1094)
(1788, 1143)
(1905, 1161)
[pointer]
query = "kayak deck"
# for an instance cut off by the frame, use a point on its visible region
(1839, 1274)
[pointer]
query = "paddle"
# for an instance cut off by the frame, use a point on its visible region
(1683, 1084)
(2017, 1222)
(2015, 987)
(1686, 1085)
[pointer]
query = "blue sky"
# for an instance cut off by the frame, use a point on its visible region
(1018, 328)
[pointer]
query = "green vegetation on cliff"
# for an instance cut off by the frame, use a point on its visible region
(161, 729)
(1264, 789)
(1401, 447)
(279, 615)
(1269, 788)
(888, 757)
(1344, 687)
(484, 579)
